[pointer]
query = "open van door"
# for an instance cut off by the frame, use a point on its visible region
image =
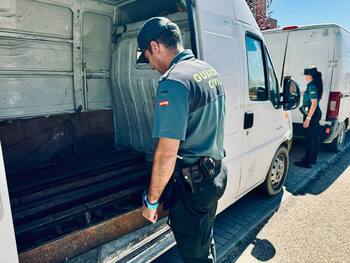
(218, 42)
(8, 248)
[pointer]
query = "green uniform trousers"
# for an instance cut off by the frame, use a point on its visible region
(192, 220)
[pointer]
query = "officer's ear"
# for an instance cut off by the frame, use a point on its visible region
(154, 47)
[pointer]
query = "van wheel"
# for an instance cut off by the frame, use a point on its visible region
(277, 173)
(338, 143)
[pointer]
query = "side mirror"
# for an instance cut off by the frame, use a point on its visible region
(291, 94)
(261, 94)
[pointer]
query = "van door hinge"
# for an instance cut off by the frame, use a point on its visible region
(333, 63)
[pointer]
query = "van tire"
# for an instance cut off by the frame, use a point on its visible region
(277, 173)
(337, 145)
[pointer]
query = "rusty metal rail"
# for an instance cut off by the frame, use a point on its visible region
(82, 241)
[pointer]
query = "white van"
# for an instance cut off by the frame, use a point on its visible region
(76, 116)
(326, 46)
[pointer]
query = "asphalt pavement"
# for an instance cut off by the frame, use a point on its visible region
(312, 226)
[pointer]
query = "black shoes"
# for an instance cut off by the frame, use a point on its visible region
(303, 164)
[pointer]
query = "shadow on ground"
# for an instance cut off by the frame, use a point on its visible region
(325, 178)
(326, 158)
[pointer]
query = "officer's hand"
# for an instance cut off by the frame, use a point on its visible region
(150, 214)
(306, 124)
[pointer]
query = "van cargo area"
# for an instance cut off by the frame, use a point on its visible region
(76, 116)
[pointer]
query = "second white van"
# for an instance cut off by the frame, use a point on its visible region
(326, 46)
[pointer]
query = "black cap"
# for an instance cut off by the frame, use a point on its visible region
(150, 31)
(310, 71)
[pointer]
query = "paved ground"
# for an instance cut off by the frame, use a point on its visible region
(240, 220)
(313, 226)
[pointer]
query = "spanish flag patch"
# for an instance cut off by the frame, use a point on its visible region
(164, 103)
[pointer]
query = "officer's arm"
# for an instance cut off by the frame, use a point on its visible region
(312, 108)
(163, 166)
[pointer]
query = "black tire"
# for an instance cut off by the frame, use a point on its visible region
(277, 173)
(338, 143)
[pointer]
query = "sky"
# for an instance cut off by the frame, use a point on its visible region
(305, 12)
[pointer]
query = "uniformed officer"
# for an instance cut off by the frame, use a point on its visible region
(312, 115)
(189, 125)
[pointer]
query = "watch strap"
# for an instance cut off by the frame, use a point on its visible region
(147, 203)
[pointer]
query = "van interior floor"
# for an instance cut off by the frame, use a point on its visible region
(49, 202)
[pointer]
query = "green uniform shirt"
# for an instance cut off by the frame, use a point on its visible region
(310, 94)
(190, 107)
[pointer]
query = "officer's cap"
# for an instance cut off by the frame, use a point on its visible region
(311, 71)
(150, 30)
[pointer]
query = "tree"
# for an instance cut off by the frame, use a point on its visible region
(261, 10)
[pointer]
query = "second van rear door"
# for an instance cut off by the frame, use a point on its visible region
(304, 49)
(8, 249)
(296, 49)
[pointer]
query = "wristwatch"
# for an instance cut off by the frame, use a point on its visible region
(308, 118)
(147, 203)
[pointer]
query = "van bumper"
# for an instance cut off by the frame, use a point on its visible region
(328, 131)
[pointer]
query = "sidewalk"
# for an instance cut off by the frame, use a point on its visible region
(237, 221)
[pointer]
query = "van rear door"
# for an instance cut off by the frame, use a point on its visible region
(8, 248)
(276, 43)
(304, 49)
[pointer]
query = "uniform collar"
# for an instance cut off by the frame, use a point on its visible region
(183, 55)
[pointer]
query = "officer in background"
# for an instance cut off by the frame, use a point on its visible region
(189, 125)
(311, 115)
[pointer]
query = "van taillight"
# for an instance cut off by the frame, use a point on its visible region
(333, 105)
(286, 28)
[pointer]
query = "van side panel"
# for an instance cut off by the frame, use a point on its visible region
(134, 88)
(8, 249)
(42, 49)
(43, 45)
(35, 59)
(97, 53)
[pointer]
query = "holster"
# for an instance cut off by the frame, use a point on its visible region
(191, 178)
(197, 176)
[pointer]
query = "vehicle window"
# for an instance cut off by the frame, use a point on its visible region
(274, 93)
(256, 70)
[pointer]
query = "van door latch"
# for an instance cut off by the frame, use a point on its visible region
(248, 120)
